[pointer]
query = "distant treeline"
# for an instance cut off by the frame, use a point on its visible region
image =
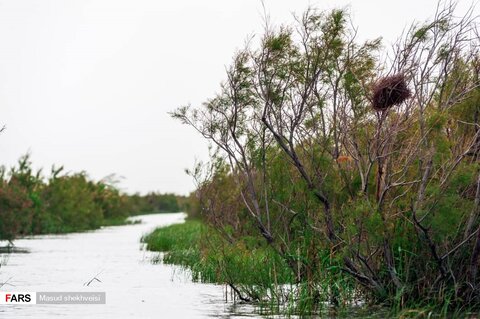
(154, 203)
(33, 204)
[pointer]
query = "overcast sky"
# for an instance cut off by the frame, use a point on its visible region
(88, 84)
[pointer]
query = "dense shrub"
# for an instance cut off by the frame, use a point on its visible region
(353, 169)
(70, 201)
(31, 204)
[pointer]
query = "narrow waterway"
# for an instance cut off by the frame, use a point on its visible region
(134, 286)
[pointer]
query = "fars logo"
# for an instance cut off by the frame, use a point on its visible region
(17, 297)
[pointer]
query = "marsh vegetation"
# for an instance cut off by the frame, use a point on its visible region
(347, 170)
(31, 203)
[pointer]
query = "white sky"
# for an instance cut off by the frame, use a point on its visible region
(88, 84)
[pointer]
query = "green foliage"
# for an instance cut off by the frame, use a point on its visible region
(355, 202)
(248, 262)
(153, 203)
(72, 205)
(29, 204)
(15, 210)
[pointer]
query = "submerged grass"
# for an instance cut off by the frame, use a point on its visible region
(253, 270)
(247, 263)
(175, 237)
(262, 277)
(180, 242)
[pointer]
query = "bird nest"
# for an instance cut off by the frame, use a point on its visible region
(389, 91)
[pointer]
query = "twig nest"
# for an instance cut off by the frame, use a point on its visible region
(389, 91)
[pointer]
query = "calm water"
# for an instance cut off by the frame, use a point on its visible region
(134, 286)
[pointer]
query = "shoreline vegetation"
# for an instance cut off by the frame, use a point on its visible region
(344, 176)
(249, 268)
(342, 170)
(32, 204)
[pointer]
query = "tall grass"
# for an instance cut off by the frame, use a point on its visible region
(189, 245)
(248, 265)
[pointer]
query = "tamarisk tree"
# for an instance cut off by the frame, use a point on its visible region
(378, 156)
